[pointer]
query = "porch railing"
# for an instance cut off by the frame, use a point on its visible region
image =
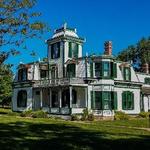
(56, 82)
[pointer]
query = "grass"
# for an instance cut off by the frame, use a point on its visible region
(17, 133)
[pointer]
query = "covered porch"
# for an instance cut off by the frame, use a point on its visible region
(63, 100)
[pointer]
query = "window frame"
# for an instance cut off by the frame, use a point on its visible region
(127, 100)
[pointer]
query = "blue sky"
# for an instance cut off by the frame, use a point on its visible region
(123, 22)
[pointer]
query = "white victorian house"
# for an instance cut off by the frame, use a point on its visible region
(68, 82)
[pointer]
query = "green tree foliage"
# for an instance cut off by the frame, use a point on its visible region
(138, 53)
(18, 23)
(5, 83)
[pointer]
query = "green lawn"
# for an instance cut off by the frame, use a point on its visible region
(18, 133)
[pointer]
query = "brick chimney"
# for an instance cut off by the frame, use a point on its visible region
(108, 48)
(145, 68)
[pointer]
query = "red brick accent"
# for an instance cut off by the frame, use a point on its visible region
(108, 48)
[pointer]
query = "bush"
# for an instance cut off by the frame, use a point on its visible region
(34, 114)
(26, 113)
(119, 115)
(39, 114)
(91, 117)
(144, 114)
(85, 114)
(75, 117)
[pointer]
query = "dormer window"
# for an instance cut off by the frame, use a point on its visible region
(126, 71)
(55, 50)
(22, 74)
(106, 69)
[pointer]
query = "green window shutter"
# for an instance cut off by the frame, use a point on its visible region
(129, 74)
(114, 70)
(92, 99)
(91, 69)
(132, 99)
(70, 50)
(114, 100)
(124, 100)
(101, 103)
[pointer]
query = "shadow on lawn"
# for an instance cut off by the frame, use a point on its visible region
(30, 136)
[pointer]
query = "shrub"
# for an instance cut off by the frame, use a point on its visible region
(39, 114)
(75, 117)
(144, 114)
(34, 114)
(85, 114)
(26, 113)
(119, 115)
(91, 117)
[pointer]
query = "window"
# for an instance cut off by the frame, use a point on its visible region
(97, 69)
(54, 72)
(74, 96)
(43, 73)
(127, 73)
(147, 80)
(22, 99)
(96, 100)
(55, 102)
(71, 70)
(106, 100)
(127, 100)
(22, 74)
(103, 100)
(73, 50)
(55, 50)
(106, 69)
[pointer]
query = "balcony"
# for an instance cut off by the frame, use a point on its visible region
(57, 82)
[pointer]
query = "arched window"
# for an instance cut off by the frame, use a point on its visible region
(22, 99)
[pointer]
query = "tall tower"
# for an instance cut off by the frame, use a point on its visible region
(65, 44)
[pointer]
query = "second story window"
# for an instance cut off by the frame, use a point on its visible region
(127, 73)
(73, 50)
(22, 74)
(97, 69)
(106, 69)
(147, 81)
(43, 73)
(71, 70)
(55, 50)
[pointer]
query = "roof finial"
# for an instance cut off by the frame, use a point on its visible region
(65, 25)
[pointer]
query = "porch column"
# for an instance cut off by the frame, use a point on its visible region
(60, 98)
(41, 97)
(50, 97)
(70, 91)
(86, 97)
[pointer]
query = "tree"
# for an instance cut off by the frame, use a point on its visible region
(17, 23)
(138, 53)
(5, 84)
